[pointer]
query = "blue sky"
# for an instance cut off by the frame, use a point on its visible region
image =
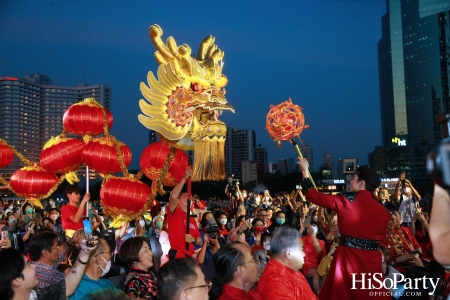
(320, 53)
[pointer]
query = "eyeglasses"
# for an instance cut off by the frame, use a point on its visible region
(207, 287)
(253, 260)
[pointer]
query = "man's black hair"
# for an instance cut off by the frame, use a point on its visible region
(12, 264)
(41, 241)
(370, 177)
(174, 276)
(71, 189)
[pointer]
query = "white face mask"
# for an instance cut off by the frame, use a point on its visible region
(223, 221)
(142, 223)
(54, 217)
(266, 246)
(314, 218)
(107, 268)
(257, 199)
(407, 190)
(244, 195)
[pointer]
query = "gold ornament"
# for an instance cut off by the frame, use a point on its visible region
(184, 102)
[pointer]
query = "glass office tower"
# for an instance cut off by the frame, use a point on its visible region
(414, 83)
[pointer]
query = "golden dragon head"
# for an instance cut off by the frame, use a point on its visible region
(184, 102)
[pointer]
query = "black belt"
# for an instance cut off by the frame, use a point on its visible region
(358, 243)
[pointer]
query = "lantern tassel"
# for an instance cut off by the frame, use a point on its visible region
(209, 159)
(72, 177)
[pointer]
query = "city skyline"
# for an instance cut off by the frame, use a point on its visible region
(318, 54)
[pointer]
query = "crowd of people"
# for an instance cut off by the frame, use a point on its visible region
(288, 245)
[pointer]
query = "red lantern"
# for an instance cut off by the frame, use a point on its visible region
(86, 118)
(153, 159)
(62, 155)
(6, 155)
(101, 154)
(124, 197)
(33, 182)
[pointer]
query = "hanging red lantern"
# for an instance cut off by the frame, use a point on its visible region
(6, 155)
(86, 118)
(153, 162)
(33, 183)
(124, 198)
(101, 154)
(62, 155)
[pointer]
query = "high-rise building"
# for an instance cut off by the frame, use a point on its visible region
(239, 146)
(249, 171)
(286, 165)
(260, 156)
(328, 161)
(307, 152)
(413, 58)
(32, 109)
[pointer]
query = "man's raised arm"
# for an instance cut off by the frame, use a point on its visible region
(175, 194)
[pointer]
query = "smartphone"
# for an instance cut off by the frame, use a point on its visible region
(4, 234)
(419, 210)
(87, 231)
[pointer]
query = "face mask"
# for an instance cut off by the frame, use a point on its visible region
(11, 220)
(244, 195)
(223, 221)
(257, 199)
(29, 210)
(314, 219)
(54, 217)
(107, 268)
(258, 229)
(315, 229)
(159, 224)
(280, 221)
(266, 246)
(335, 219)
(11, 206)
(142, 223)
(407, 190)
(211, 222)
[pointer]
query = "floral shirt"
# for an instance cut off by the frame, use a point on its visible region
(140, 284)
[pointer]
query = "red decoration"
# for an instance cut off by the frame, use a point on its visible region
(32, 182)
(6, 155)
(285, 121)
(62, 155)
(153, 159)
(124, 197)
(86, 118)
(101, 154)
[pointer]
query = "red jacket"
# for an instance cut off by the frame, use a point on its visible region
(279, 282)
(232, 293)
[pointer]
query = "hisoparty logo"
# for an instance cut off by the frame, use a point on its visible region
(376, 281)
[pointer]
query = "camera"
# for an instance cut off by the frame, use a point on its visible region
(212, 231)
(232, 183)
(438, 164)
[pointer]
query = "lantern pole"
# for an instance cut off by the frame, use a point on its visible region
(188, 210)
(87, 190)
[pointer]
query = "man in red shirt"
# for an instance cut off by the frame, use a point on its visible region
(176, 222)
(72, 213)
(282, 278)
